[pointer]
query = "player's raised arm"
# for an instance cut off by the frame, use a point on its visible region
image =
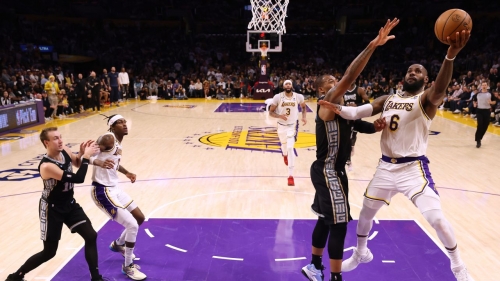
(358, 112)
(433, 96)
(360, 62)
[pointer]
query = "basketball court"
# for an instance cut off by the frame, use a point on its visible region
(212, 183)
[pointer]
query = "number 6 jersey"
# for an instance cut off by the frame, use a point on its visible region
(407, 129)
(288, 106)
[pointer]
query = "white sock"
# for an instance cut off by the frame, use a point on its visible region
(128, 255)
(284, 151)
(291, 161)
(121, 241)
(455, 259)
(362, 244)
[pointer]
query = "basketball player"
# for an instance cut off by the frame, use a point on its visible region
(403, 163)
(354, 96)
(58, 206)
(285, 106)
(112, 200)
(328, 174)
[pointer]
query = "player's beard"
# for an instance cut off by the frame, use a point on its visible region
(414, 87)
(288, 91)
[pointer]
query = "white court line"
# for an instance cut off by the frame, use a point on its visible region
(384, 261)
(291, 259)
(175, 248)
(226, 258)
(149, 232)
(348, 249)
(373, 235)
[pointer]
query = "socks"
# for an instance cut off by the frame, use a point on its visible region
(128, 255)
(336, 276)
(455, 259)
(362, 244)
(317, 261)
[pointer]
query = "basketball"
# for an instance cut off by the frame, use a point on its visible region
(451, 21)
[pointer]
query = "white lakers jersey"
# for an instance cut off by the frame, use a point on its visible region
(288, 106)
(108, 177)
(407, 127)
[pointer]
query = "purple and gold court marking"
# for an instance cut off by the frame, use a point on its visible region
(260, 249)
(247, 107)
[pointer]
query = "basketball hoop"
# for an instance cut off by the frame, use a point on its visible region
(268, 15)
(263, 51)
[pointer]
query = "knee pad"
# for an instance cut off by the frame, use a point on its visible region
(336, 240)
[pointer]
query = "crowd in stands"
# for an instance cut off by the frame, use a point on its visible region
(204, 56)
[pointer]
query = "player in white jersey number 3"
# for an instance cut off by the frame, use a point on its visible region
(285, 106)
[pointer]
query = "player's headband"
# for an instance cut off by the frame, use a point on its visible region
(113, 119)
(287, 82)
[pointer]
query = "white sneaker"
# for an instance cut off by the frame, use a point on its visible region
(456, 111)
(461, 273)
(132, 271)
(473, 115)
(497, 124)
(311, 273)
(356, 258)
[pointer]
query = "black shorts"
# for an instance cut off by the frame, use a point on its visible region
(331, 201)
(54, 215)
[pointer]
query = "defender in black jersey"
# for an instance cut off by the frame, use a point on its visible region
(57, 205)
(354, 96)
(333, 143)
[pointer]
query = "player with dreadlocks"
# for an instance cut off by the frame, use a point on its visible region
(112, 199)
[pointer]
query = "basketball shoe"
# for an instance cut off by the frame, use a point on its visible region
(461, 273)
(356, 258)
(290, 181)
(285, 159)
(119, 248)
(313, 274)
(13, 277)
(132, 271)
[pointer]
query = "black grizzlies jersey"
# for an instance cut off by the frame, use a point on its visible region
(54, 190)
(333, 141)
(352, 98)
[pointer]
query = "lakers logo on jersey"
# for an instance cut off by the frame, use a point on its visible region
(408, 106)
(255, 138)
(283, 104)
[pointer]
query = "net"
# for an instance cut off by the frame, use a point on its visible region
(268, 15)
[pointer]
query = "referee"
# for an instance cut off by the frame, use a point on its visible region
(482, 101)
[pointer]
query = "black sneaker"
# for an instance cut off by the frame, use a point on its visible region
(13, 277)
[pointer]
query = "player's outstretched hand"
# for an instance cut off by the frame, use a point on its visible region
(457, 41)
(379, 124)
(331, 106)
(383, 33)
(83, 145)
(90, 149)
